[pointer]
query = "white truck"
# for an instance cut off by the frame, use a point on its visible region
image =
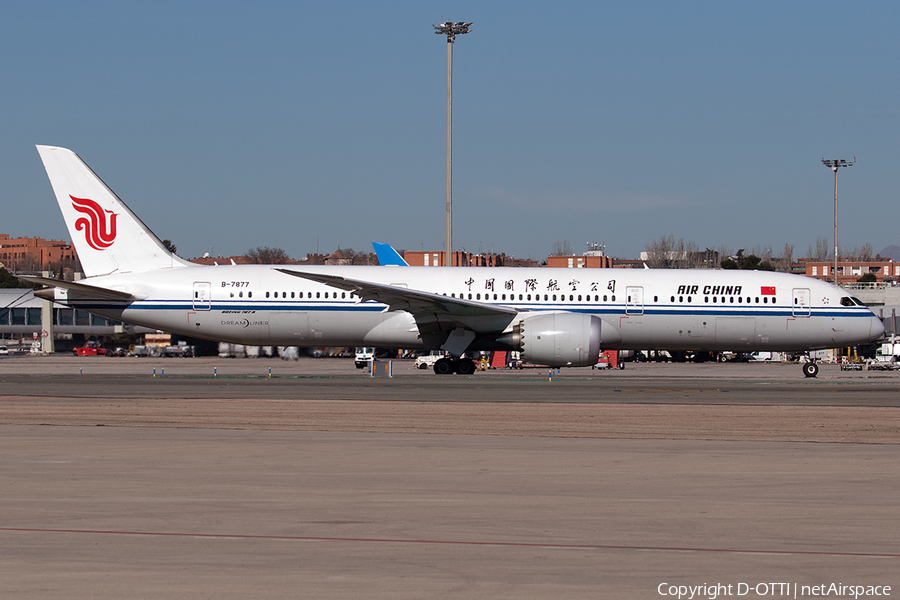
(427, 361)
(363, 357)
(889, 350)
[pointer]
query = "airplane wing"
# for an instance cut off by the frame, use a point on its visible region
(452, 322)
(387, 256)
(82, 289)
(412, 301)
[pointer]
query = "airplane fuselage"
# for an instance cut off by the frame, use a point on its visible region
(640, 308)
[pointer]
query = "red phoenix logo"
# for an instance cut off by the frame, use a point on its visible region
(99, 234)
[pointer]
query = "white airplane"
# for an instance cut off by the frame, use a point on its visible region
(555, 317)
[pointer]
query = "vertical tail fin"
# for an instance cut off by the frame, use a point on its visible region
(108, 237)
(387, 256)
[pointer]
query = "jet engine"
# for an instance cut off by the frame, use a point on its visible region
(560, 339)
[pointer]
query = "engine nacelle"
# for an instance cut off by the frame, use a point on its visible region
(561, 339)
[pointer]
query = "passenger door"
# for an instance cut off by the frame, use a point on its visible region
(634, 300)
(800, 302)
(202, 292)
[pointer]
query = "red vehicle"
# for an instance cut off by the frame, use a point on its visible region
(90, 349)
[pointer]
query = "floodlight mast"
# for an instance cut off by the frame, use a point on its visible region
(451, 30)
(834, 164)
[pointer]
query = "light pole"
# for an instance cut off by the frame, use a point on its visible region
(451, 30)
(834, 164)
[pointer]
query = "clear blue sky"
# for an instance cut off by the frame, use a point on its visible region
(306, 125)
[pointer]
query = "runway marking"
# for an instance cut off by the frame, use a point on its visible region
(296, 538)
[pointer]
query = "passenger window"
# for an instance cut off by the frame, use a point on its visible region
(318, 294)
(554, 297)
(249, 294)
(529, 297)
(267, 294)
(545, 297)
(292, 294)
(344, 295)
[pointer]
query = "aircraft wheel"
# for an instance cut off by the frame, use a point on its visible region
(465, 367)
(621, 365)
(443, 366)
(810, 369)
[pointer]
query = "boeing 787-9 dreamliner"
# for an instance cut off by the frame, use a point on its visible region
(555, 317)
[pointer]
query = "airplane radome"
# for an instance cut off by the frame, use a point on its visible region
(556, 317)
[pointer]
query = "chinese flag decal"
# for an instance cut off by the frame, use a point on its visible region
(767, 290)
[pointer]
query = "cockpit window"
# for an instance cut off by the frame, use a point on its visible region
(857, 301)
(850, 301)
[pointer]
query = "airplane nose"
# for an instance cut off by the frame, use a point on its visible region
(877, 328)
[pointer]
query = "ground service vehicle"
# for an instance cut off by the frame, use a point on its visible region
(364, 357)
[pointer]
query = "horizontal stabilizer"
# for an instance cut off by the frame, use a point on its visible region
(82, 289)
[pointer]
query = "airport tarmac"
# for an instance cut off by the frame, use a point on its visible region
(321, 482)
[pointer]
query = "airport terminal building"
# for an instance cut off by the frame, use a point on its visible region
(22, 319)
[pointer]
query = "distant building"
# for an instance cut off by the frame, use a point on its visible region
(580, 262)
(850, 271)
(34, 254)
(429, 258)
(219, 260)
(338, 257)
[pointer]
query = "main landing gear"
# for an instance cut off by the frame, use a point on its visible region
(446, 366)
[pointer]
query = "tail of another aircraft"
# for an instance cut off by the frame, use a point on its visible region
(108, 237)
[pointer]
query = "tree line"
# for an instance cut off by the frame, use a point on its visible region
(669, 253)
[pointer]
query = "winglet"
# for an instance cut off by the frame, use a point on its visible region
(387, 256)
